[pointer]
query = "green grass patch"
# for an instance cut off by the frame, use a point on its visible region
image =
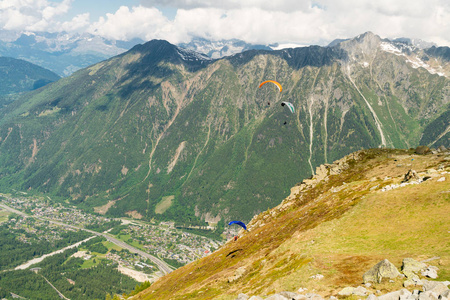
(164, 204)
(3, 215)
(92, 262)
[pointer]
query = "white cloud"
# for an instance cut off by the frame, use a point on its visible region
(35, 15)
(255, 21)
(270, 5)
(143, 22)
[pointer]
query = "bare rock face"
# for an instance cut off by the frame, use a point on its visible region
(383, 269)
(410, 176)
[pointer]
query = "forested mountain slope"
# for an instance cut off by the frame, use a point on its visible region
(162, 125)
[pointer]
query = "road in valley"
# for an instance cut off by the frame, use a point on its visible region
(163, 266)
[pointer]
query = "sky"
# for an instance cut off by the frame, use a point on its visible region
(301, 22)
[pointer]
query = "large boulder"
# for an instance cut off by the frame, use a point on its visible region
(401, 294)
(383, 269)
(410, 267)
(422, 150)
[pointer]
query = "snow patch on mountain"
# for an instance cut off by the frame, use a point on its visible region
(189, 55)
(409, 52)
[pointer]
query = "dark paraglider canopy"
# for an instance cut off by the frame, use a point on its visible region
(238, 223)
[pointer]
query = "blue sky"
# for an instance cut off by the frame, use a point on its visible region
(303, 22)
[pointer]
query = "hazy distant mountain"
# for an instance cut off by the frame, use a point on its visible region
(218, 49)
(18, 76)
(62, 53)
(164, 125)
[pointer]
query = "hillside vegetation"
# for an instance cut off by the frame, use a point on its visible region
(340, 223)
(18, 76)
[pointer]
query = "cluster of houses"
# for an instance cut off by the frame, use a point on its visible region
(168, 242)
(36, 230)
(42, 208)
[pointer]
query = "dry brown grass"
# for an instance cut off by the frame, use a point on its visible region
(337, 234)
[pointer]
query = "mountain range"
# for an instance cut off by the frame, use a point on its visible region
(162, 132)
(62, 53)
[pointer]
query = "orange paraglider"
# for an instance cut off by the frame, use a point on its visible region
(274, 82)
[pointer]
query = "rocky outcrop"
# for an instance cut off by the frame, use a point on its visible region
(430, 290)
(383, 269)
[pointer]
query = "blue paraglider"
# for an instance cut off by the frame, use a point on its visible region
(238, 223)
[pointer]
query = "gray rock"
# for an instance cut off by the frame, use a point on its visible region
(395, 295)
(372, 297)
(445, 293)
(289, 295)
(430, 272)
(434, 286)
(242, 296)
(410, 265)
(442, 148)
(428, 295)
(360, 291)
(277, 297)
(347, 291)
(413, 281)
(410, 176)
(255, 298)
(314, 296)
(422, 150)
(383, 269)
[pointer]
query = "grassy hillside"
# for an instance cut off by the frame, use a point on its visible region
(338, 226)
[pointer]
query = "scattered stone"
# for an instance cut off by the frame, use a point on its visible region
(429, 295)
(368, 284)
(289, 295)
(441, 179)
(255, 298)
(347, 291)
(276, 297)
(242, 296)
(383, 269)
(430, 259)
(410, 175)
(437, 287)
(410, 267)
(360, 291)
(395, 295)
(442, 148)
(301, 290)
(372, 297)
(317, 276)
(430, 272)
(413, 281)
